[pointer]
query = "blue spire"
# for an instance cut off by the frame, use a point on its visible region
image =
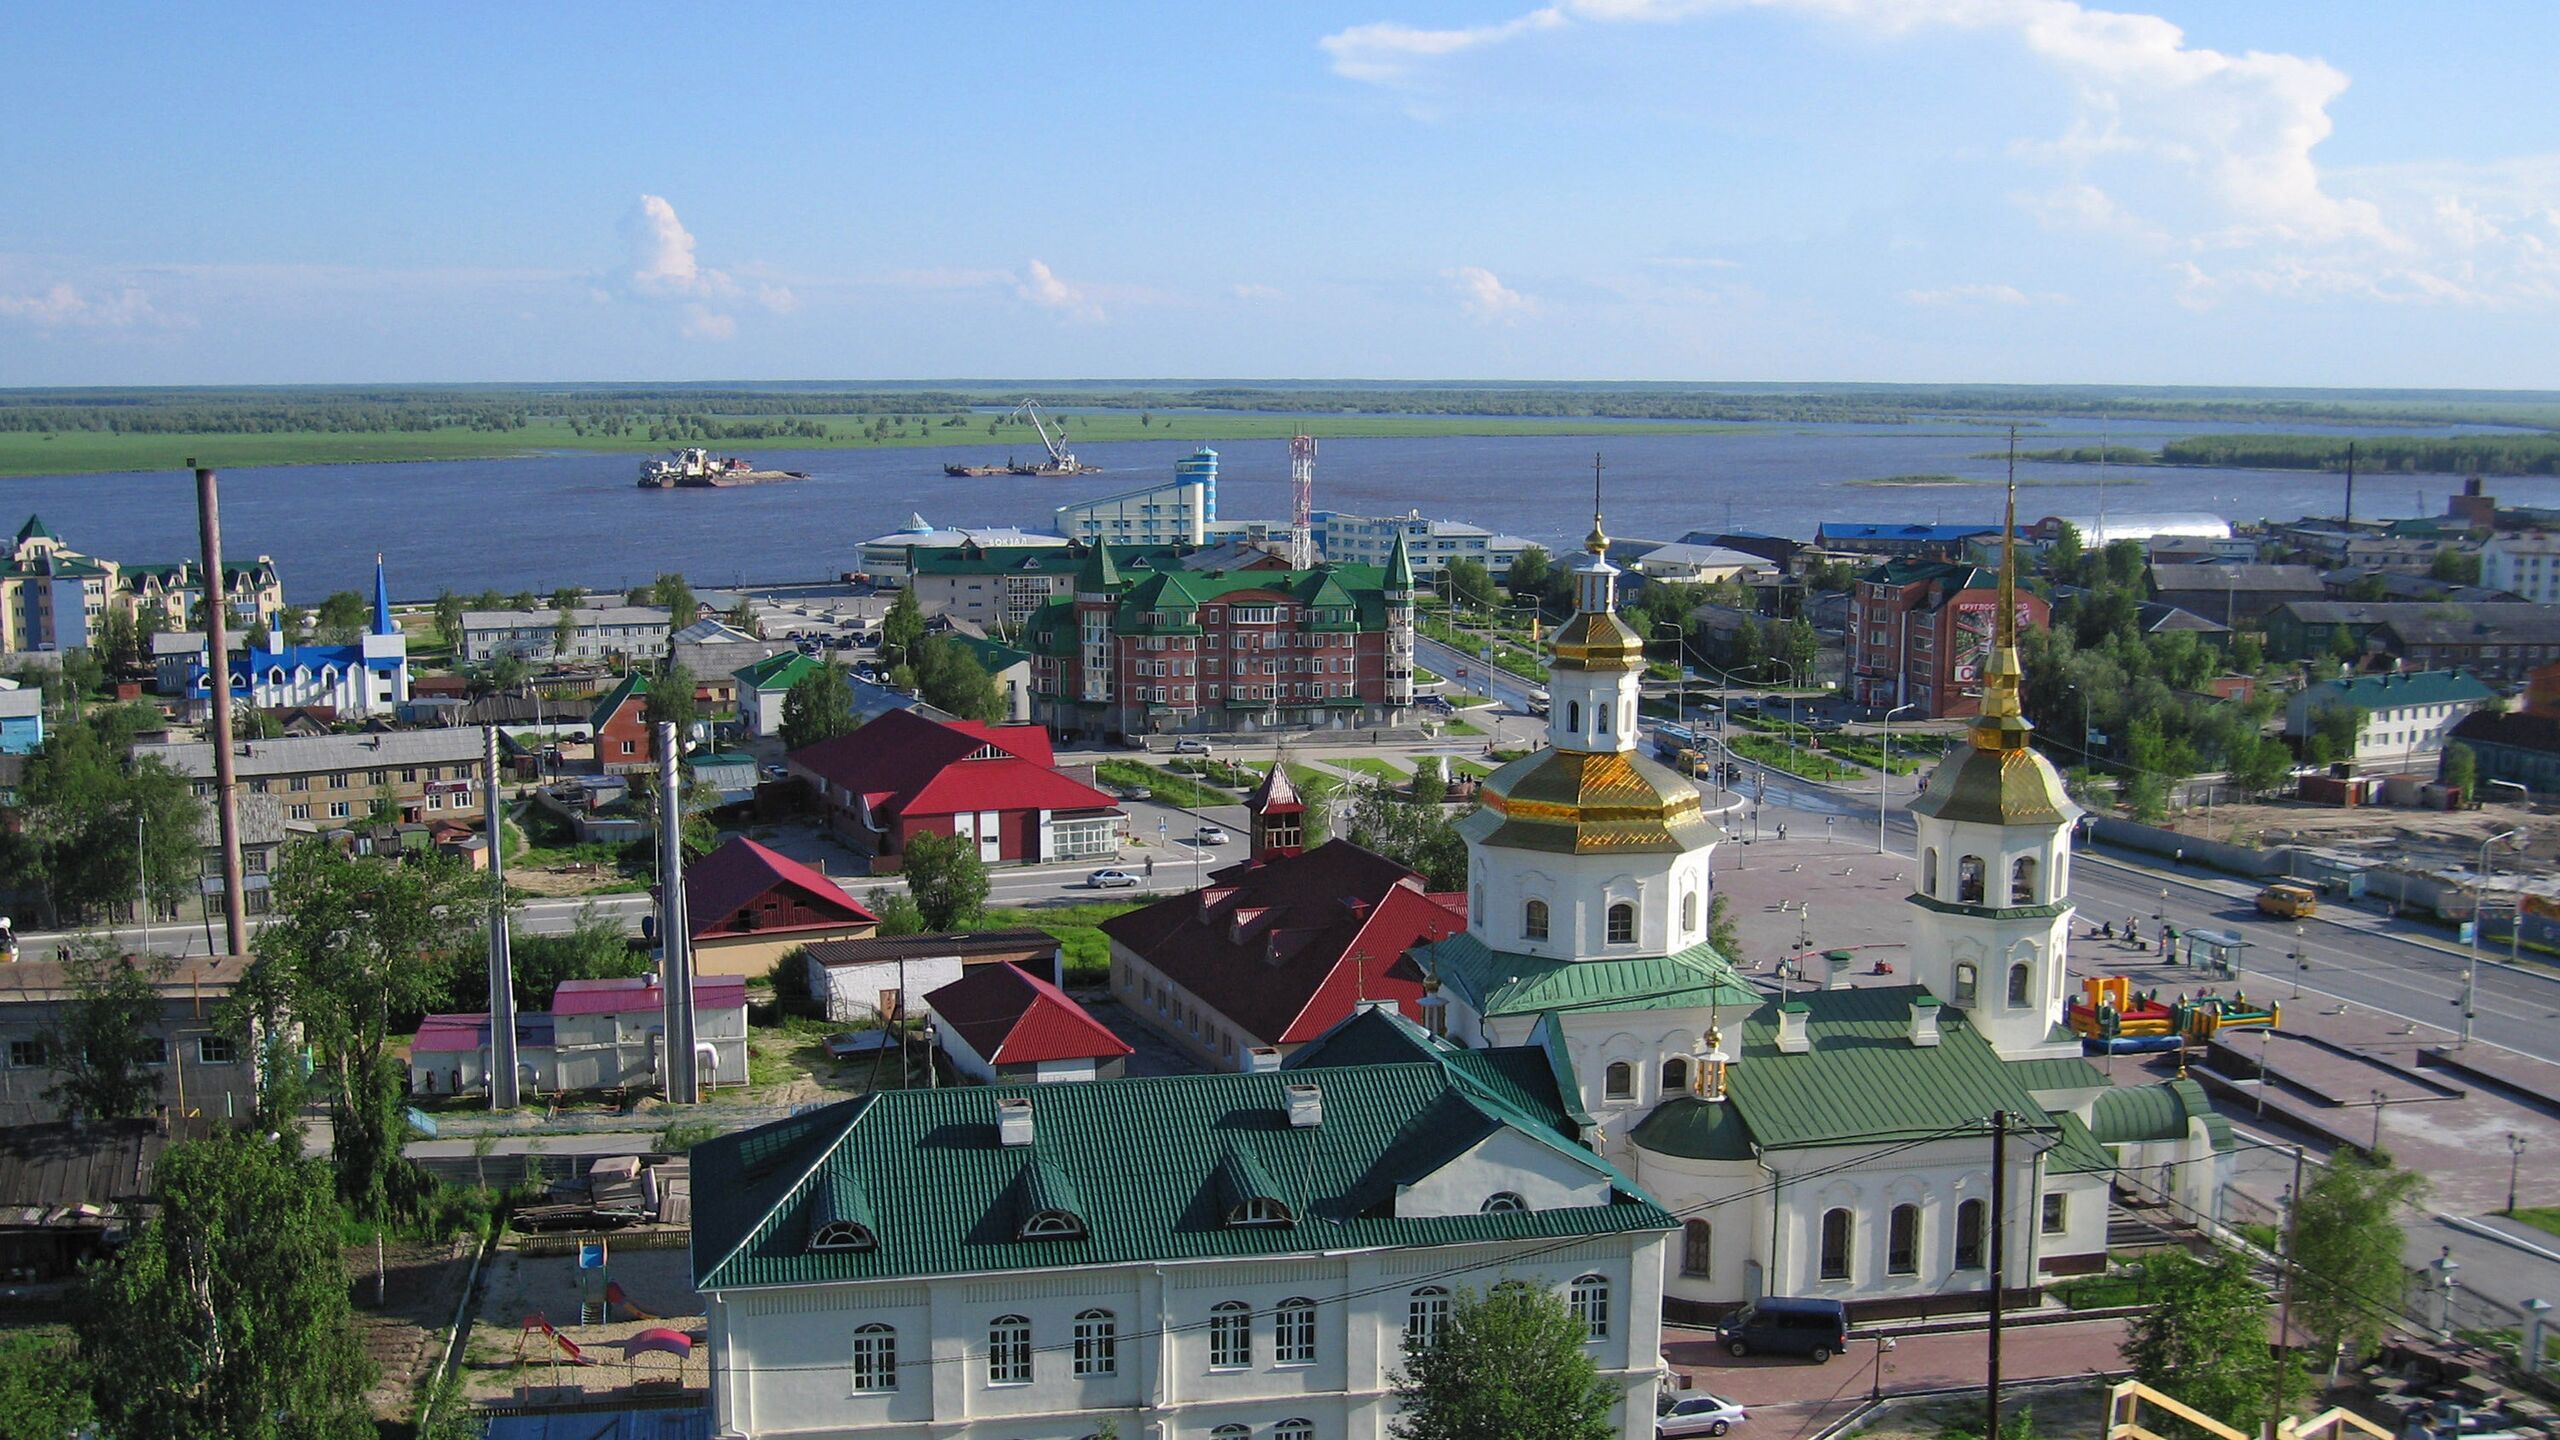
(381, 599)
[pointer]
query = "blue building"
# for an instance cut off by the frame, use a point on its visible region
(367, 678)
(21, 721)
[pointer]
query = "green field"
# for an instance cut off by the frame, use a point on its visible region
(63, 452)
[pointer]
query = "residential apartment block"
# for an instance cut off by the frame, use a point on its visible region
(1217, 652)
(2407, 716)
(199, 1067)
(998, 587)
(2526, 565)
(1919, 631)
(53, 597)
(637, 631)
(1429, 545)
(322, 779)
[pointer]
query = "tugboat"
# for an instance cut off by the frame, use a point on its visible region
(1061, 461)
(694, 469)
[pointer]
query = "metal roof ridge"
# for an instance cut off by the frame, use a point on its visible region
(826, 1152)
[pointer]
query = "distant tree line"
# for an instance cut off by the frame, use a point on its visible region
(2403, 454)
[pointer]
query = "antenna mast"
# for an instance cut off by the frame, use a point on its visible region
(1302, 502)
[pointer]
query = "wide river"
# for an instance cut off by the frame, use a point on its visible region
(541, 521)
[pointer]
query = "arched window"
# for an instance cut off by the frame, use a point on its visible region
(1503, 1202)
(2018, 986)
(1836, 1228)
(1009, 1351)
(1966, 984)
(1232, 1432)
(1294, 1430)
(1293, 1332)
(1424, 1312)
(1533, 920)
(1590, 1295)
(2022, 881)
(1675, 1075)
(875, 1359)
(841, 1235)
(1600, 717)
(1969, 880)
(1046, 1224)
(1969, 1236)
(1929, 872)
(1688, 912)
(1230, 1335)
(1573, 716)
(1622, 924)
(1697, 1248)
(1619, 1081)
(1097, 1343)
(1902, 1241)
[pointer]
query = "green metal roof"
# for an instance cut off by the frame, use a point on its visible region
(1502, 982)
(1864, 1080)
(774, 672)
(2156, 1112)
(1695, 1129)
(2061, 1072)
(632, 684)
(2075, 1150)
(1138, 1158)
(993, 656)
(1025, 559)
(2384, 692)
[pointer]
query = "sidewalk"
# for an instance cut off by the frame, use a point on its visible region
(1789, 1397)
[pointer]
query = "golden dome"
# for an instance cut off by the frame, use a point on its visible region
(1579, 802)
(1598, 640)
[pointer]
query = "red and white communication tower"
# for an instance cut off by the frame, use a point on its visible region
(1302, 502)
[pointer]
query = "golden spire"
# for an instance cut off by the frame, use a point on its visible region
(1598, 541)
(2002, 725)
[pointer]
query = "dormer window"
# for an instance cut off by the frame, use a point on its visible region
(842, 1235)
(1504, 1202)
(1052, 1224)
(1261, 1210)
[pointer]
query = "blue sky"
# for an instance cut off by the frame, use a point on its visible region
(2240, 192)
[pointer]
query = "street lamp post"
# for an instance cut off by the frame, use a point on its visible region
(2471, 968)
(2445, 1267)
(1885, 776)
(2301, 963)
(1884, 1347)
(2515, 1160)
(2376, 1147)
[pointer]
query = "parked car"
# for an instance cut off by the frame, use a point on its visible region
(1112, 880)
(849, 1044)
(776, 772)
(1697, 1414)
(1779, 1325)
(1208, 835)
(2288, 900)
(1192, 747)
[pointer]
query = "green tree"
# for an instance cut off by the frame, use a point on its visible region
(2063, 559)
(1470, 584)
(592, 948)
(671, 591)
(228, 1314)
(1430, 783)
(343, 617)
(818, 706)
(1723, 931)
(2248, 652)
(44, 1390)
(743, 619)
(2261, 764)
(1510, 1364)
(449, 608)
(2342, 644)
(2457, 567)
(896, 911)
(670, 700)
(2347, 1243)
(88, 805)
(100, 1045)
(1377, 817)
(568, 597)
(902, 628)
(946, 879)
(506, 673)
(118, 643)
(564, 633)
(2461, 769)
(1528, 572)
(949, 677)
(2203, 1336)
(2338, 728)
(355, 943)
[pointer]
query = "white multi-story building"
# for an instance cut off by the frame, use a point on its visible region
(1188, 1256)
(2406, 716)
(1431, 544)
(1835, 1143)
(2526, 565)
(597, 632)
(885, 557)
(1180, 511)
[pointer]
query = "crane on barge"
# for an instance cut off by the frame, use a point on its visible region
(1061, 461)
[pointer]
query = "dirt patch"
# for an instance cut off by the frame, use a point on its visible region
(503, 1359)
(402, 1309)
(2060, 1410)
(2424, 839)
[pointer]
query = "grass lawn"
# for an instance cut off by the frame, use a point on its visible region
(1788, 758)
(1162, 785)
(1462, 727)
(1386, 770)
(1315, 784)
(2541, 1217)
(1468, 768)
(1088, 954)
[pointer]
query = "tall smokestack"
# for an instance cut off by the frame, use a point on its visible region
(226, 785)
(675, 928)
(503, 1081)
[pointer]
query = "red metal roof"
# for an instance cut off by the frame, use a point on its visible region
(740, 872)
(622, 996)
(1287, 947)
(1012, 1017)
(911, 766)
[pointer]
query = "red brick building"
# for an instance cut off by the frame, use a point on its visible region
(903, 775)
(750, 905)
(1919, 631)
(1222, 651)
(620, 722)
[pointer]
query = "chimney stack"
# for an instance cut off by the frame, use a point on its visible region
(1013, 1120)
(1306, 1106)
(1924, 1021)
(1261, 1060)
(1835, 974)
(1794, 1036)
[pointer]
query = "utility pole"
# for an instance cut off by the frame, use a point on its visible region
(1999, 1256)
(2284, 1297)
(675, 927)
(504, 1092)
(217, 639)
(2350, 516)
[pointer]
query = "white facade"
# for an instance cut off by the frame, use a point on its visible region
(1429, 544)
(621, 1049)
(599, 632)
(1176, 512)
(884, 557)
(2398, 735)
(863, 991)
(2004, 971)
(1172, 1370)
(2526, 565)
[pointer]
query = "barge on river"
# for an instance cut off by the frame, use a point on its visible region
(696, 470)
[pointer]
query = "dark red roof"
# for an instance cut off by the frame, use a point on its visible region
(1012, 1017)
(908, 765)
(741, 872)
(1287, 947)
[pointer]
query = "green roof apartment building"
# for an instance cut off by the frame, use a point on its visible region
(53, 597)
(998, 587)
(2406, 715)
(1177, 1254)
(1169, 651)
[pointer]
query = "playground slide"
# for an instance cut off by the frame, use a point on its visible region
(567, 1346)
(614, 1294)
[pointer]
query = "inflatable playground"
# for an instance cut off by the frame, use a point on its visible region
(2111, 1018)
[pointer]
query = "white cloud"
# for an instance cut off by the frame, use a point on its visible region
(2003, 295)
(1041, 286)
(1485, 296)
(63, 304)
(701, 322)
(1387, 52)
(662, 266)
